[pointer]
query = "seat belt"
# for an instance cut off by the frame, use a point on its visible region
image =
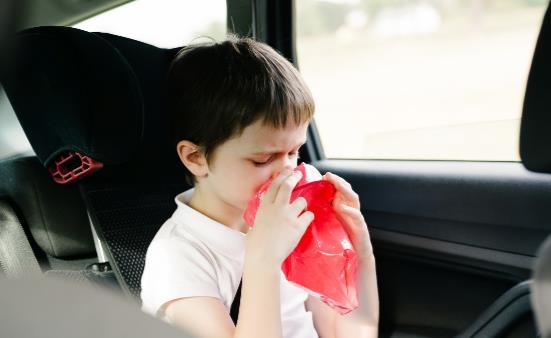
(234, 311)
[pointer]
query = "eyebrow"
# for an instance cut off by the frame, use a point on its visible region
(275, 152)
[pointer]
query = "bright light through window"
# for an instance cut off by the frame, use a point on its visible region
(412, 79)
(163, 23)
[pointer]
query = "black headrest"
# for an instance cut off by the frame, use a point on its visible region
(156, 155)
(94, 93)
(535, 131)
(71, 90)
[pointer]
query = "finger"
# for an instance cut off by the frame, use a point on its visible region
(298, 205)
(286, 187)
(274, 186)
(305, 220)
(341, 182)
(351, 213)
(354, 224)
(345, 188)
(338, 178)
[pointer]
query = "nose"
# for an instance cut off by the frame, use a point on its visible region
(286, 163)
(289, 163)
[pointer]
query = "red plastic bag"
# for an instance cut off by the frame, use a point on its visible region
(324, 261)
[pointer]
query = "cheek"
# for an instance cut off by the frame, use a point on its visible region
(244, 182)
(255, 178)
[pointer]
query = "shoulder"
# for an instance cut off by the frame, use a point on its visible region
(173, 238)
(176, 268)
(180, 253)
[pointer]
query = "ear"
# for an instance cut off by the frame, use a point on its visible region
(192, 156)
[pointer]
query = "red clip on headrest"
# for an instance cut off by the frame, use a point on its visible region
(72, 166)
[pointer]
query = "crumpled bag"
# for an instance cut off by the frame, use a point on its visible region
(324, 262)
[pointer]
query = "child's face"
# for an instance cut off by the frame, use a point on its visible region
(242, 164)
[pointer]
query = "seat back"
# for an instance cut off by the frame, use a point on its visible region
(93, 110)
(47, 220)
(129, 203)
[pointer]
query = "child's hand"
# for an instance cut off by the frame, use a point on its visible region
(347, 206)
(279, 225)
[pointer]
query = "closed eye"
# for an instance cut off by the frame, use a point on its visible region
(262, 163)
(259, 164)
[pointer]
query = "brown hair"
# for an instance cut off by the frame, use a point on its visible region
(216, 90)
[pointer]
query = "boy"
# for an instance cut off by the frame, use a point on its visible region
(240, 114)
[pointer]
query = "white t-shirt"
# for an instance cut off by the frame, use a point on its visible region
(193, 255)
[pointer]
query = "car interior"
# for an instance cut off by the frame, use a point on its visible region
(460, 246)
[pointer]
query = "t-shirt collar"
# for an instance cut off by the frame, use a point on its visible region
(216, 235)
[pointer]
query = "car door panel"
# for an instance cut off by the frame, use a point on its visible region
(449, 237)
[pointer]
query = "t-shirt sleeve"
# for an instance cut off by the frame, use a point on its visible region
(176, 269)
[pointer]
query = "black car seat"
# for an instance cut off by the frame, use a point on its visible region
(92, 107)
(83, 109)
(535, 152)
(43, 225)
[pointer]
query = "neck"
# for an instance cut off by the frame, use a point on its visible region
(218, 210)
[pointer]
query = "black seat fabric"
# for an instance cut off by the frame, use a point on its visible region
(126, 217)
(42, 86)
(106, 103)
(44, 227)
(130, 202)
(54, 214)
(74, 93)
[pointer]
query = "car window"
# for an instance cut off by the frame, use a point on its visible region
(163, 23)
(409, 79)
(12, 138)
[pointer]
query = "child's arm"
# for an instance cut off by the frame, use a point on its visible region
(279, 225)
(200, 317)
(360, 323)
(259, 313)
(363, 321)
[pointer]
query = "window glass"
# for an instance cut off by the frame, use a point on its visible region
(418, 79)
(12, 137)
(163, 23)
